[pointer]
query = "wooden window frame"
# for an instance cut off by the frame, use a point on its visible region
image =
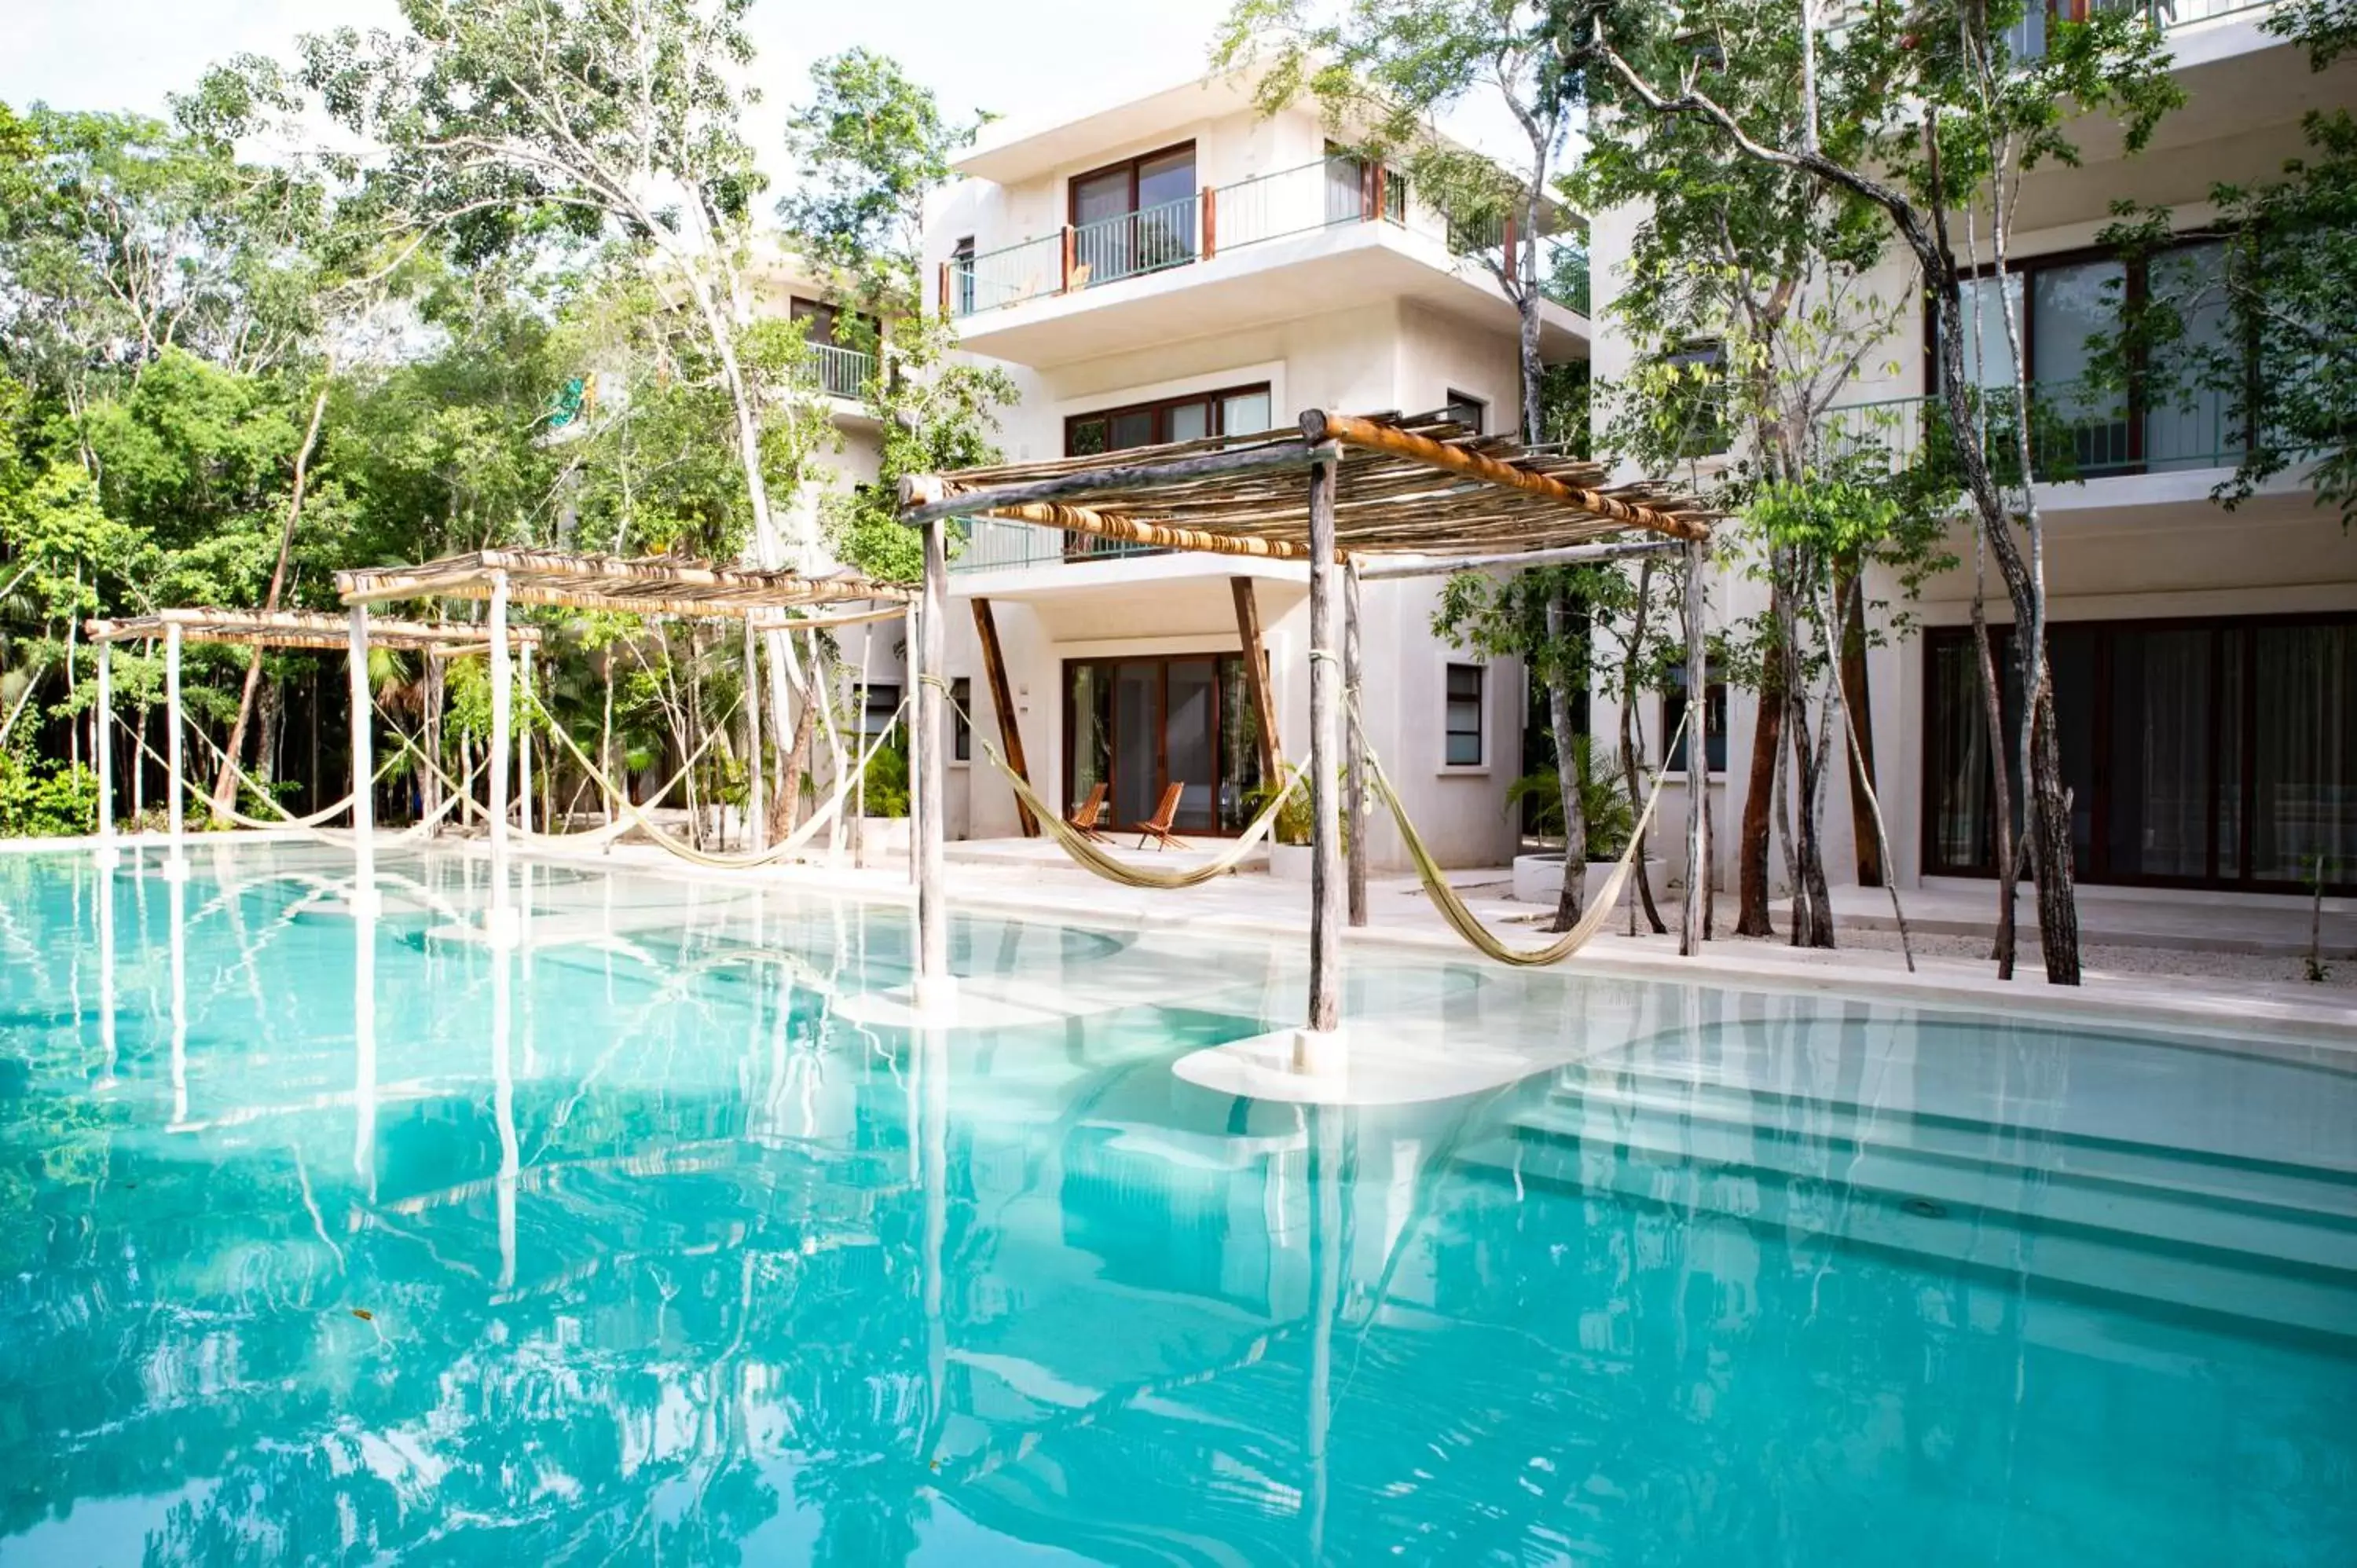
(961, 732)
(1160, 409)
(1162, 662)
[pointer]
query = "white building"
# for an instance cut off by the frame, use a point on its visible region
(1179, 266)
(2205, 661)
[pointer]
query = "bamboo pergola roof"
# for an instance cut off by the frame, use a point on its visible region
(634, 585)
(299, 628)
(1415, 486)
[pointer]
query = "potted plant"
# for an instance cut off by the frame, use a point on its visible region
(1288, 841)
(1612, 818)
(884, 816)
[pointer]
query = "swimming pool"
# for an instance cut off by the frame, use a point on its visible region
(326, 1241)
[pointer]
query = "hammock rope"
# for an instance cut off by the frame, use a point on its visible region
(455, 793)
(598, 838)
(1091, 855)
(1467, 923)
(791, 843)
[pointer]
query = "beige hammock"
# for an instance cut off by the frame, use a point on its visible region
(665, 840)
(1468, 924)
(1091, 855)
(623, 822)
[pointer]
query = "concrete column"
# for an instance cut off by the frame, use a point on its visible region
(101, 748)
(176, 860)
(933, 987)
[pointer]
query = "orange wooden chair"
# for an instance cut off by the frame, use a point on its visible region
(1158, 827)
(1090, 815)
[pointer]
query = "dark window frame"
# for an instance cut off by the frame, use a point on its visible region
(1450, 699)
(875, 703)
(961, 732)
(1669, 708)
(1072, 186)
(1160, 409)
(2098, 872)
(1455, 400)
(1163, 661)
(1717, 438)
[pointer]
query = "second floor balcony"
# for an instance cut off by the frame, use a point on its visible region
(2077, 430)
(1372, 236)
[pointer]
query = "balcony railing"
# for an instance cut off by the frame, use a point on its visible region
(2028, 37)
(1333, 192)
(844, 372)
(2077, 430)
(992, 545)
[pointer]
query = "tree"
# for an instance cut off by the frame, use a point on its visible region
(1955, 122)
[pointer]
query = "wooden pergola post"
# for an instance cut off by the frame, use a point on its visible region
(1697, 757)
(102, 754)
(756, 808)
(932, 989)
(1327, 910)
(1002, 699)
(436, 675)
(524, 742)
(176, 862)
(1256, 681)
(364, 770)
(1354, 748)
(500, 923)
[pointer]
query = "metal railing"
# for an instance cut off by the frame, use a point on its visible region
(844, 372)
(993, 544)
(2027, 38)
(2077, 430)
(1308, 199)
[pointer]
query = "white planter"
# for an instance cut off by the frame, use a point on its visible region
(1289, 861)
(1538, 878)
(884, 835)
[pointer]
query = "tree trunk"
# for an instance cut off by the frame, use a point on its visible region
(1858, 707)
(225, 783)
(1566, 767)
(1630, 767)
(1753, 916)
(786, 806)
(2001, 788)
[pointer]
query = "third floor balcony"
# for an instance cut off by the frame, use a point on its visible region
(1327, 235)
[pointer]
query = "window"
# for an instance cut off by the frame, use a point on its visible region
(1137, 726)
(1136, 216)
(960, 301)
(1464, 723)
(1463, 408)
(2202, 752)
(1700, 395)
(1713, 713)
(1238, 411)
(836, 335)
(961, 732)
(883, 706)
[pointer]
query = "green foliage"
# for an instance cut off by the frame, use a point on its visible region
(45, 800)
(886, 789)
(1604, 804)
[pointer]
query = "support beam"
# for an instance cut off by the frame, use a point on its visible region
(1154, 535)
(1354, 749)
(176, 862)
(757, 819)
(524, 742)
(1368, 435)
(1326, 875)
(924, 497)
(499, 926)
(1010, 730)
(932, 990)
(1377, 571)
(103, 755)
(437, 674)
(364, 768)
(1256, 681)
(1698, 904)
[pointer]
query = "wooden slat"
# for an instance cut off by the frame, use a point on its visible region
(1256, 656)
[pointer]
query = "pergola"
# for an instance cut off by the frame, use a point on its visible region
(662, 585)
(1350, 497)
(253, 629)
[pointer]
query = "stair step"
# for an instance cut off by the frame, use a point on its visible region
(1952, 1176)
(2003, 1246)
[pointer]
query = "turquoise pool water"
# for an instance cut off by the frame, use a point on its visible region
(328, 1242)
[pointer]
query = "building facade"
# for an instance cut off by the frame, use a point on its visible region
(2204, 659)
(1183, 266)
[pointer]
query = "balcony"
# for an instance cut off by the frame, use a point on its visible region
(1367, 234)
(2077, 430)
(992, 545)
(2028, 37)
(844, 372)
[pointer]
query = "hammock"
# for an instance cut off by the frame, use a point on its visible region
(1468, 924)
(790, 844)
(1091, 855)
(455, 792)
(598, 837)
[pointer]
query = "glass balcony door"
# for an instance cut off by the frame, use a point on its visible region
(1140, 725)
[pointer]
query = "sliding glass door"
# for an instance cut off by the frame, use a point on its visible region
(2217, 753)
(1140, 725)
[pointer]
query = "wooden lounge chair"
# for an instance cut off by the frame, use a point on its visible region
(1158, 827)
(1090, 815)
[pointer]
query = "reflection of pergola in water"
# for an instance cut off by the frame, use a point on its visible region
(256, 629)
(1340, 494)
(765, 600)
